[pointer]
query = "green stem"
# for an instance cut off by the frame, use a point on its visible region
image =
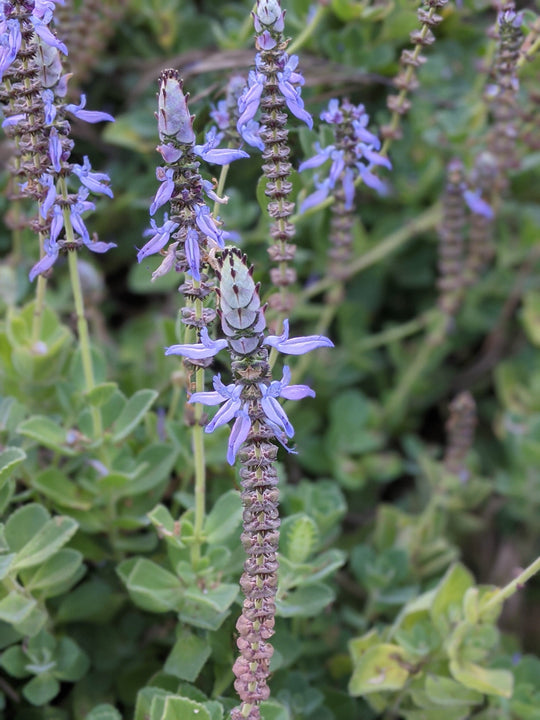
(308, 31)
(397, 332)
(508, 590)
(37, 319)
(197, 440)
(394, 407)
(82, 327)
(425, 221)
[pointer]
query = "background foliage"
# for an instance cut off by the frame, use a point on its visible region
(388, 562)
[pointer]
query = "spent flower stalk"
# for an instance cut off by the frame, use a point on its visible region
(275, 87)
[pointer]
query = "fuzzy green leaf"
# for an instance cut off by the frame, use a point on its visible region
(187, 657)
(379, 668)
(133, 412)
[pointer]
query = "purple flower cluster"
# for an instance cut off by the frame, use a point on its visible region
(235, 407)
(10, 31)
(177, 148)
(252, 398)
(269, 24)
(61, 213)
(353, 155)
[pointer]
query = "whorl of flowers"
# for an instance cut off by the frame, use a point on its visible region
(406, 80)
(274, 86)
(452, 240)
(46, 142)
(251, 400)
(460, 434)
(353, 155)
(86, 48)
(23, 74)
(481, 248)
(190, 225)
(502, 93)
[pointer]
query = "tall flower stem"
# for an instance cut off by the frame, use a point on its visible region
(309, 29)
(197, 440)
(426, 221)
(516, 584)
(37, 319)
(430, 347)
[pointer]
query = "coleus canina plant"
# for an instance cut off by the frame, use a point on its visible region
(252, 401)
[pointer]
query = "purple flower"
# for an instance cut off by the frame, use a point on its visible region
(477, 205)
(211, 153)
(52, 250)
(193, 253)
(207, 348)
(296, 346)
(160, 237)
(251, 134)
(207, 224)
(55, 150)
(49, 106)
(90, 116)
(287, 79)
(10, 43)
(272, 409)
(321, 193)
(353, 119)
(229, 394)
(165, 190)
(250, 99)
(42, 30)
(14, 120)
(47, 181)
(220, 115)
(208, 188)
(234, 407)
(94, 181)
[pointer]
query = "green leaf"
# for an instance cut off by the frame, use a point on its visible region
(71, 662)
(14, 662)
(272, 710)
(379, 668)
(305, 601)
(447, 692)
(15, 607)
(103, 712)
(10, 457)
(46, 542)
(447, 603)
(219, 598)
(101, 393)
(41, 689)
(174, 707)
(46, 432)
(483, 680)
(150, 586)
(92, 601)
(55, 485)
(54, 572)
(155, 464)
(187, 657)
(167, 528)
(530, 315)
(132, 414)
(224, 518)
(299, 538)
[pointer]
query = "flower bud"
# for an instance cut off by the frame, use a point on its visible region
(268, 13)
(174, 120)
